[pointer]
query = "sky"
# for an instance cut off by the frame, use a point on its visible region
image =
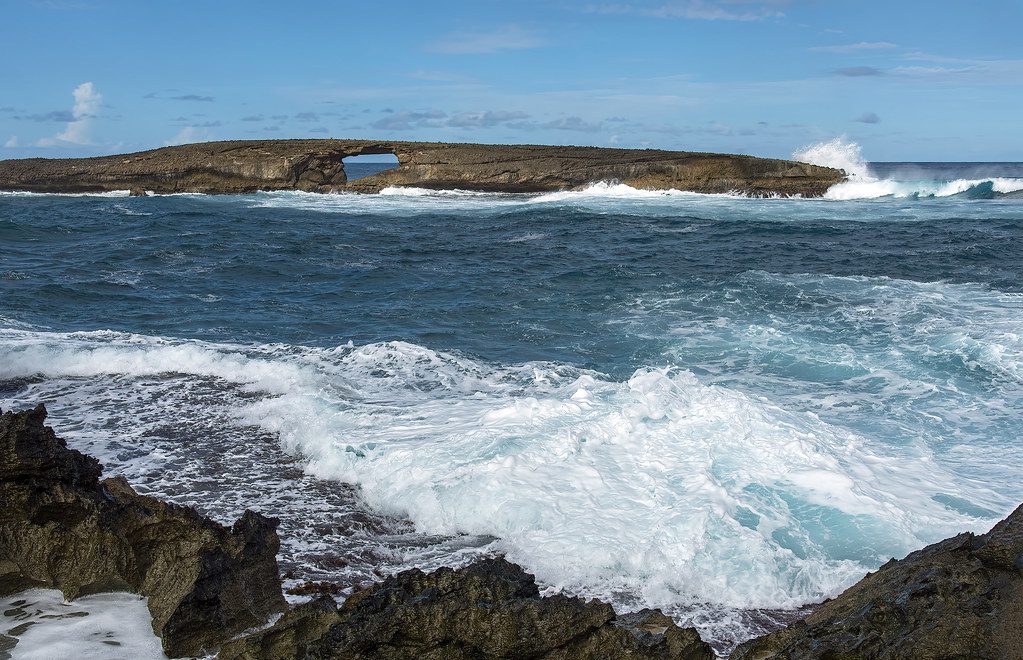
(908, 80)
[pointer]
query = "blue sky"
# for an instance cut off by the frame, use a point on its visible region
(906, 79)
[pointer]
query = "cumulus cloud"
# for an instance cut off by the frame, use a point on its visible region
(511, 37)
(78, 130)
(868, 118)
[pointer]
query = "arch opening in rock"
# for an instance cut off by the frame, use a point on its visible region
(358, 167)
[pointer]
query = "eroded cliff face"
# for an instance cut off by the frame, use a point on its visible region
(316, 166)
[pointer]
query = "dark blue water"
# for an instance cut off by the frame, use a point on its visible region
(705, 403)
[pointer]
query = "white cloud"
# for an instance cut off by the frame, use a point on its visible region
(78, 131)
(854, 48)
(12, 142)
(511, 37)
(187, 135)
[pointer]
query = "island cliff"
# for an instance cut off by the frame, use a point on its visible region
(316, 166)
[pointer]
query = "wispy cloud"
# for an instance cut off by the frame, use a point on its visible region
(510, 37)
(858, 72)
(702, 10)
(572, 123)
(180, 97)
(868, 118)
(12, 142)
(438, 76)
(59, 116)
(855, 48)
(192, 97)
(475, 119)
(407, 121)
(485, 119)
(78, 130)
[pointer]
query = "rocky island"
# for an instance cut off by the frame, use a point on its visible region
(217, 589)
(241, 166)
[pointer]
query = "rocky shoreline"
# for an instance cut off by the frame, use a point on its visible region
(214, 589)
(316, 166)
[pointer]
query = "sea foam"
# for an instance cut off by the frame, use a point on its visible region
(660, 486)
(862, 184)
(109, 626)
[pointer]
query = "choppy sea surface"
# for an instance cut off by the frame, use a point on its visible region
(728, 408)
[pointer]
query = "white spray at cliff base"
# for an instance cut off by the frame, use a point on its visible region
(863, 184)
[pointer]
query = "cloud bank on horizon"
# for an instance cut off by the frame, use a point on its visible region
(908, 81)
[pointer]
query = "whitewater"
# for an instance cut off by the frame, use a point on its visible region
(728, 408)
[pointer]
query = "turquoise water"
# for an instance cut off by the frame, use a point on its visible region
(711, 404)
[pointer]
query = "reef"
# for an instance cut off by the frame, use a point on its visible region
(316, 166)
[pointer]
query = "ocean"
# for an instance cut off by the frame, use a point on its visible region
(729, 408)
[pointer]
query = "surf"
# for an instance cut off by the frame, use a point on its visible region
(864, 184)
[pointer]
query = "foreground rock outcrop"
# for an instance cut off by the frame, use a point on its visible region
(316, 166)
(490, 609)
(61, 527)
(958, 598)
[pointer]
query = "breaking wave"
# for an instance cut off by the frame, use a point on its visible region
(863, 184)
(663, 488)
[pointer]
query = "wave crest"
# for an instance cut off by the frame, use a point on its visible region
(863, 184)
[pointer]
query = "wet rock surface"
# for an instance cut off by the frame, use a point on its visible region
(62, 527)
(316, 166)
(958, 598)
(490, 609)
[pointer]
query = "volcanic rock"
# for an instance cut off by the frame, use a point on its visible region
(316, 166)
(958, 598)
(489, 609)
(61, 527)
